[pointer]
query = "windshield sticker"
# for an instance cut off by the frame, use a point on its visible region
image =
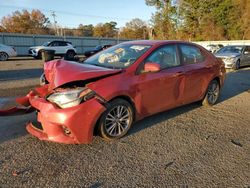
(119, 50)
(104, 57)
(138, 47)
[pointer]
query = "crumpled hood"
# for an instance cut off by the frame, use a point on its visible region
(227, 54)
(59, 72)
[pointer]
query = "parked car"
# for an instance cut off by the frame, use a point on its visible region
(235, 56)
(6, 52)
(61, 48)
(120, 85)
(96, 49)
(214, 47)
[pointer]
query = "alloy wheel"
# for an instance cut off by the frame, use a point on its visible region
(3, 56)
(213, 92)
(117, 121)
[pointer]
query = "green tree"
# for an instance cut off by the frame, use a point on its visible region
(165, 20)
(33, 22)
(135, 29)
(85, 30)
(107, 30)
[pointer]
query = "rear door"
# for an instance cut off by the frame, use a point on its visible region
(160, 91)
(198, 72)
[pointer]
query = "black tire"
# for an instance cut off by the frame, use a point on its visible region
(70, 54)
(111, 126)
(237, 65)
(3, 56)
(39, 56)
(212, 94)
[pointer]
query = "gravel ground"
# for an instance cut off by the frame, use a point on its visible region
(191, 146)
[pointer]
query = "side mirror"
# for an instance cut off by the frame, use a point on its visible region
(246, 52)
(151, 67)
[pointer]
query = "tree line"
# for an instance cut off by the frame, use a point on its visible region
(173, 19)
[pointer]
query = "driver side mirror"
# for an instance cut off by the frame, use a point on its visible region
(151, 67)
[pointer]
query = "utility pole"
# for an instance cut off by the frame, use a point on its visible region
(53, 14)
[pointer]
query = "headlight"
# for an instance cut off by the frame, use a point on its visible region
(70, 98)
(230, 59)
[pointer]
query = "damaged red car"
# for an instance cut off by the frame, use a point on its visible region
(118, 86)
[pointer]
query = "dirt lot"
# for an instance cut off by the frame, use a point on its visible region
(191, 146)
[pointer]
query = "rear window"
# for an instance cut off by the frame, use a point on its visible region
(191, 54)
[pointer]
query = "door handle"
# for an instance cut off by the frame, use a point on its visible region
(178, 74)
(208, 66)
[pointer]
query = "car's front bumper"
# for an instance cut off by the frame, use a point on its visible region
(33, 53)
(230, 65)
(73, 125)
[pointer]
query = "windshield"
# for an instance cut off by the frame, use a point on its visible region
(45, 44)
(231, 49)
(98, 48)
(119, 56)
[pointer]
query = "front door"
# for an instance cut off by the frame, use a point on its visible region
(161, 90)
(245, 60)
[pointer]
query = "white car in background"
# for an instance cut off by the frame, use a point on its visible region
(61, 48)
(214, 47)
(6, 52)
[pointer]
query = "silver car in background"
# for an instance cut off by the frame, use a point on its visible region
(6, 52)
(234, 56)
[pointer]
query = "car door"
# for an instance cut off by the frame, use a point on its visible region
(55, 46)
(245, 60)
(198, 72)
(161, 90)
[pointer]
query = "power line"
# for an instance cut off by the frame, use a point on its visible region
(68, 13)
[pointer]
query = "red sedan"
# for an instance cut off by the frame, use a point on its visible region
(120, 85)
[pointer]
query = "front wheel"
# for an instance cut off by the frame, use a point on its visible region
(116, 120)
(237, 65)
(3, 56)
(212, 94)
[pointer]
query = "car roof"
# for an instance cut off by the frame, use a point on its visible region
(60, 41)
(236, 45)
(157, 42)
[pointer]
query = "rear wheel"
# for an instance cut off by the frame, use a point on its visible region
(116, 120)
(70, 54)
(3, 56)
(212, 94)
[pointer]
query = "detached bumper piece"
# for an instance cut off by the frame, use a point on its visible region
(17, 110)
(23, 107)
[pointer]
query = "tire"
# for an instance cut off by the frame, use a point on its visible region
(70, 54)
(3, 56)
(39, 56)
(116, 120)
(212, 94)
(237, 65)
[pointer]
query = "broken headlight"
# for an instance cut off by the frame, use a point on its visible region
(70, 98)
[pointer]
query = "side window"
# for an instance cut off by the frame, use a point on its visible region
(191, 54)
(247, 49)
(62, 44)
(54, 44)
(165, 56)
